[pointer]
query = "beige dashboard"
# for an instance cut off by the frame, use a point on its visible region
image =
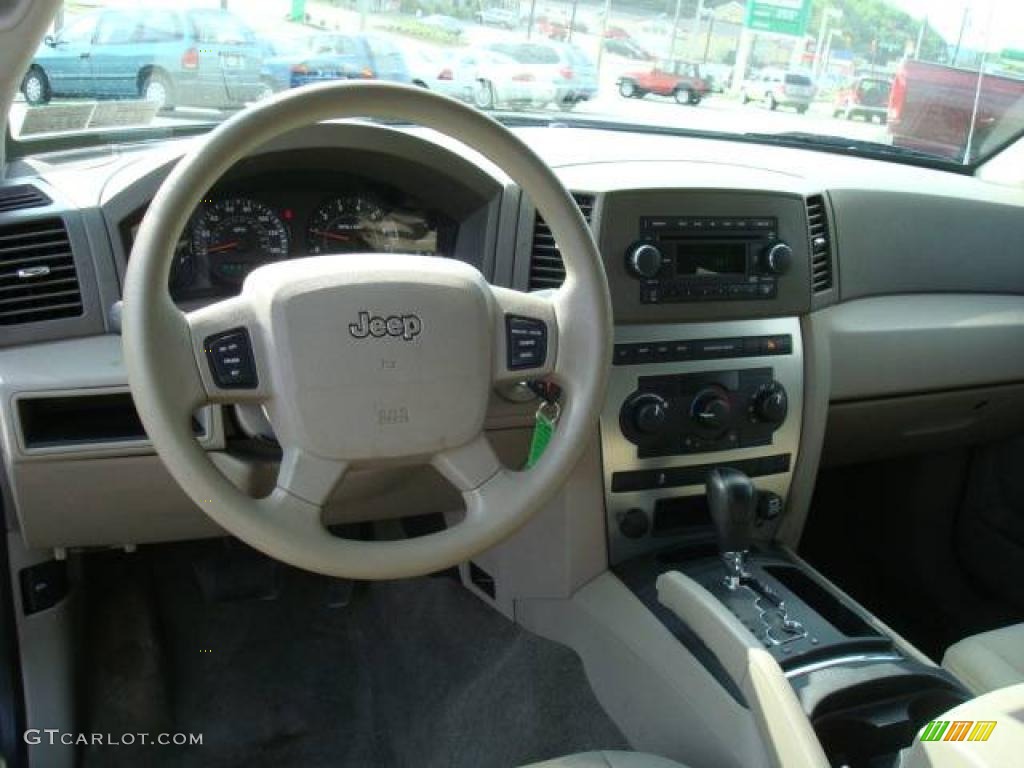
(919, 324)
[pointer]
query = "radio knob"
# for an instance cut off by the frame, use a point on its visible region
(644, 261)
(711, 410)
(771, 404)
(777, 259)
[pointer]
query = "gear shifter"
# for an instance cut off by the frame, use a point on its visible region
(732, 501)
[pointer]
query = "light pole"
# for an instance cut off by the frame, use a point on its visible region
(827, 57)
(830, 13)
(920, 38)
(572, 20)
(712, 18)
(604, 30)
(960, 38)
(675, 29)
(695, 32)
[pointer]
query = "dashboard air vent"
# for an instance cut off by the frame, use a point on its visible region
(21, 196)
(821, 246)
(37, 273)
(546, 268)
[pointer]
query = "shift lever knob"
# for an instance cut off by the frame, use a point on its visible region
(732, 501)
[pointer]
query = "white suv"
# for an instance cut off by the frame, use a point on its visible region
(778, 88)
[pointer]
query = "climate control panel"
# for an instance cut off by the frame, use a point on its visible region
(703, 412)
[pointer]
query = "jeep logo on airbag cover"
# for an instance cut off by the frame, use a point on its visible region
(406, 327)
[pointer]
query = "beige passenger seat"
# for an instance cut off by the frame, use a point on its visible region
(989, 660)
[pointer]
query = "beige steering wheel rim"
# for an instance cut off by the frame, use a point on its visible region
(163, 348)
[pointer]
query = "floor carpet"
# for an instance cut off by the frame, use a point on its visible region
(409, 673)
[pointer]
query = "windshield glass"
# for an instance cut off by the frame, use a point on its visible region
(902, 79)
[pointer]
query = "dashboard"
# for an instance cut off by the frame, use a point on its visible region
(893, 320)
(274, 216)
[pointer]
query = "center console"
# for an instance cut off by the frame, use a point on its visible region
(700, 436)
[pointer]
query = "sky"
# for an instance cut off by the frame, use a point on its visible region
(992, 24)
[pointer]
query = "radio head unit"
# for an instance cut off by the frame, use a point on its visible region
(678, 258)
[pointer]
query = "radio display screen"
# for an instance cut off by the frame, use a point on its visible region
(704, 258)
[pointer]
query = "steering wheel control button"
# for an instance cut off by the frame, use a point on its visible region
(527, 342)
(231, 360)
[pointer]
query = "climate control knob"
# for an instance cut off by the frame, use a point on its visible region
(650, 414)
(777, 259)
(644, 260)
(711, 410)
(644, 415)
(771, 404)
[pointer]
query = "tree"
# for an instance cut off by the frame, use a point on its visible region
(878, 31)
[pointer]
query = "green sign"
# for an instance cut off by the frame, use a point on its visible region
(780, 17)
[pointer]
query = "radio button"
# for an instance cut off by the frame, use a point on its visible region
(624, 354)
(643, 353)
(682, 350)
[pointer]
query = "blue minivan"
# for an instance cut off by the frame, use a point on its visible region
(203, 57)
(329, 56)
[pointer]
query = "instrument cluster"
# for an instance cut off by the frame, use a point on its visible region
(239, 229)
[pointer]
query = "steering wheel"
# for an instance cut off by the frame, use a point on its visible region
(365, 361)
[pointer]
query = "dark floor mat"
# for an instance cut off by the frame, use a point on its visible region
(412, 673)
(886, 533)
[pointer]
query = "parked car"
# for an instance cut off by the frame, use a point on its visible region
(448, 24)
(866, 96)
(623, 46)
(679, 79)
(932, 108)
(616, 33)
(577, 75)
(438, 70)
(552, 28)
(194, 57)
(498, 17)
(778, 88)
(500, 80)
(329, 56)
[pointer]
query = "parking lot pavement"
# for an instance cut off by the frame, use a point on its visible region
(723, 113)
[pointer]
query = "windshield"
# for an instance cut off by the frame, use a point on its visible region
(914, 80)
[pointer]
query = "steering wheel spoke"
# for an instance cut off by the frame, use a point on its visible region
(227, 345)
(469, 466)
(308, 477)
(526, 335)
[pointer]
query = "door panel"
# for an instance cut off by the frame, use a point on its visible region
(68, 64)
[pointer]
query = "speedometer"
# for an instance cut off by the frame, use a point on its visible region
(236, 235)
(350, 224)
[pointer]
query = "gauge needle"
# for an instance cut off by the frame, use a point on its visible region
(330, 235)
(224, 246)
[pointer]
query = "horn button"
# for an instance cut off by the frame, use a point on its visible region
(370, 362)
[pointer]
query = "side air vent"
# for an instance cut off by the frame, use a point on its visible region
(37, 273)
(821, 245)
(20, 197)
(546, 268)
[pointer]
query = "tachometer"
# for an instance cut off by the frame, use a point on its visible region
(349, 225)
(236, 235)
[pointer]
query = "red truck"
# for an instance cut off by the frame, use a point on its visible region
(679, 79)
(932, 105)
